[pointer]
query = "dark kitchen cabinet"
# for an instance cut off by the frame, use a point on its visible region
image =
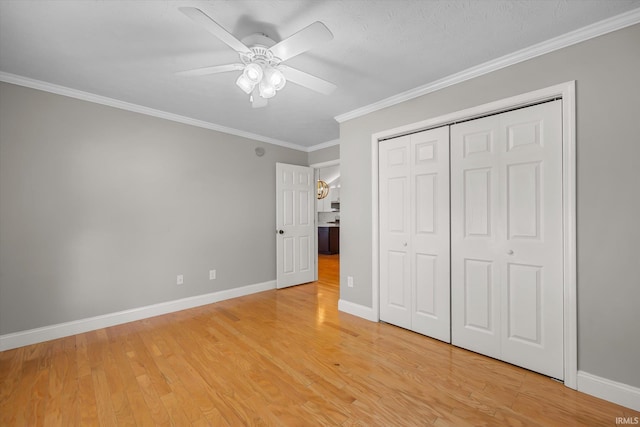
(328, 240)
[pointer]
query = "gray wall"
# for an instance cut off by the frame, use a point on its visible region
(324, 155)
(608, 150)
(101, 208)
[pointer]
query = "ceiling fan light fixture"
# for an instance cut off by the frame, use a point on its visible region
(275, 78)
(245, 84)
(253, 72)
(266, 89)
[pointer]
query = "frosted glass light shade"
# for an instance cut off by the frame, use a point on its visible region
(275, 78)
(253, 73)
(244, 84)
(266, 90)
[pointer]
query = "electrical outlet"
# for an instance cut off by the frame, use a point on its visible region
(350, 281)
(212, 275)
(180, 280)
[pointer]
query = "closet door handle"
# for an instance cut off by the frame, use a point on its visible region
(404, 244)
(509, 252)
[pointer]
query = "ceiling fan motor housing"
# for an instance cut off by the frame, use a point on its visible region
(259, 54)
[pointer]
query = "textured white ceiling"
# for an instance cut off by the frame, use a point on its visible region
(131, 50)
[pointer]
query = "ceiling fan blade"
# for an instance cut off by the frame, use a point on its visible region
(211, 70)
(256, 100)
(307, 80)
(214, 28)
(302, 41)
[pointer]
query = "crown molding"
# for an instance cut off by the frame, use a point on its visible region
(112, 102)
(605, 26)
(323, 145)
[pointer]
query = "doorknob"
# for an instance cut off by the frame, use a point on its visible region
(404, 244)
(280, 231)
(509, 252)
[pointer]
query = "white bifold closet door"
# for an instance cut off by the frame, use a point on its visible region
(414, 232)
(506, 237)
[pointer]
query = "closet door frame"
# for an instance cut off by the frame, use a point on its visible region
(564, 91)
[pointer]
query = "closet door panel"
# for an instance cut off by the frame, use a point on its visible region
(414, 232)
(533, 295)
(506, 236)
(395, 232)
(430, 236)
(475, 277)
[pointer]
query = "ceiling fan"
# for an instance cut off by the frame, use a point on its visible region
(263, 71)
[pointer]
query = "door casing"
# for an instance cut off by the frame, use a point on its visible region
(564, 91)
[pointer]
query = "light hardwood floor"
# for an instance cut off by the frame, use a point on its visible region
(282, 357)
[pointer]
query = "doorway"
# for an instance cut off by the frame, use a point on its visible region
(328, 221)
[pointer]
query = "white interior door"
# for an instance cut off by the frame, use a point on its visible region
(395, 231)
(295, 225)
(430, 268)
(506, 237)
(475, 282)
(414, 232)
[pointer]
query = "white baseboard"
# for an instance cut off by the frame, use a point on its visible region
(46, 333)
(357, 310)
(606, 389)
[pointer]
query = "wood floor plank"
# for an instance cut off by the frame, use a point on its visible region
(117, 390)
(10, 371)
(278, 358)
(205, 395)
(88, 409)
(153, 401)
(141, 410)
(175, 410)
(105, 411)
